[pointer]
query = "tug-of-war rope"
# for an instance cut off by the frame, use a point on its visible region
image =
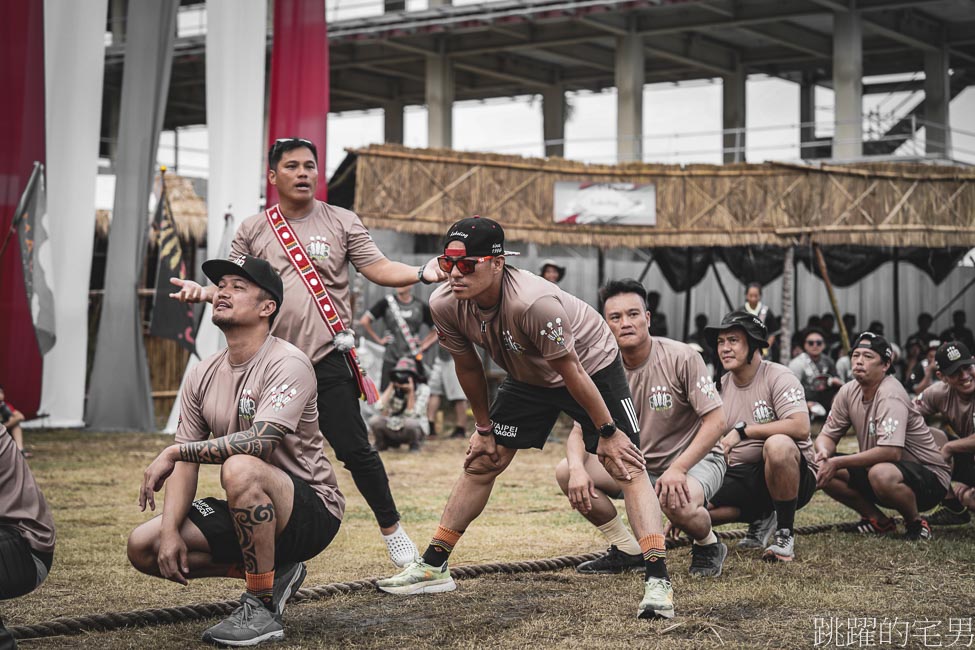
(202, 611)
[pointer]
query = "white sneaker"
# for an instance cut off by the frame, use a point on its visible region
(402, 550)
(783, 549)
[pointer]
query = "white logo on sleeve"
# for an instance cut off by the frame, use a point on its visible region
(762, 413)
(246, 407)
(660, 398)
(281, 395)
(888, 427)
(794, 396)
(706, 386)
(554, 332)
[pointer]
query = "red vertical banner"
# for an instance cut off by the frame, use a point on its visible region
(21, 143)
(299, 79)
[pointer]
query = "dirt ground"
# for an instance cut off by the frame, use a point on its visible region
(885, 584)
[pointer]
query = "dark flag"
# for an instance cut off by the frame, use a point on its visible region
(171, 319)
(35, 254)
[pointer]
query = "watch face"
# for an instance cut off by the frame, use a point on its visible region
(740, 426)
(607, 430)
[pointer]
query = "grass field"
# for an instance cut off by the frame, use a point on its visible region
(91, 482)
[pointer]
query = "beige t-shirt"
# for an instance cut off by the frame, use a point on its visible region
(21, 503)
(889, 420)
(534, 322)
(955, 409)
(277, 385)
(672, 390)
(332, 237)
(773, 394)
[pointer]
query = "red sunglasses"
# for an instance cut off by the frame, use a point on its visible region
(464, 264)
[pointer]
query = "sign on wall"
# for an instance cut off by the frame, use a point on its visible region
(624, 204)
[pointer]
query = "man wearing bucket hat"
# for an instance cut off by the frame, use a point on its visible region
(403, 408)
(258, 399)
(953, 398)
(771, 466)
(560, 356)
(899, 464)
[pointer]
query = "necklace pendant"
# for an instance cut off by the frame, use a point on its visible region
(483, 327)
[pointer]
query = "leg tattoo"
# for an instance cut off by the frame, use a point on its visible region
(245, 521)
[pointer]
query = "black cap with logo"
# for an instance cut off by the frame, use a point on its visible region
(258, 271)
(874, 342)
(952, 357)
(754, 328)
(479, 235)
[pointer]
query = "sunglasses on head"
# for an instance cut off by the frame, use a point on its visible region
(465, 265)
(280, 142)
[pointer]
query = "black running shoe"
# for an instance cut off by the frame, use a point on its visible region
(707, 560)
(918, 531)
(946, 516)
(614, 561)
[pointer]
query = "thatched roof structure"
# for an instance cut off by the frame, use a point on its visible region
(423, 191)
(189, 212)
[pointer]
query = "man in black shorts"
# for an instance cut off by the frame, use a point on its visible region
(258, 397)
(560, 357)
(899, 464)
(26, 530)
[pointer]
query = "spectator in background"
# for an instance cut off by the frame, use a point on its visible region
(876, 327)
(924, 322)
(816, 372)
(443, 383)
(925, 373)
(402, 409)
(827, 323)
(958, 331)
(552, 271)
(403, 315)
(754, 306)
(700, 339)
(11, 418)
(914, 351)
(658, 321)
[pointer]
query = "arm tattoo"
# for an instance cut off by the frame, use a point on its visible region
(260, 440)
(245, 521)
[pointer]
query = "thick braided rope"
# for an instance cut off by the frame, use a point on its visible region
(202, 611)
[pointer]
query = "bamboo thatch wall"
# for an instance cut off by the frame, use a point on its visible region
(423, 191)
(189, 212)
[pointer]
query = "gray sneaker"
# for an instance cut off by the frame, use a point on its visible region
(758, 533)
(250, 624)
(287, 581)
(707, 560)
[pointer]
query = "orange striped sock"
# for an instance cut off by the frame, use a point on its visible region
(654, 549)
(441, 545)
(261, 586)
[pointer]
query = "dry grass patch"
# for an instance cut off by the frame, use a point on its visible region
(91, 481)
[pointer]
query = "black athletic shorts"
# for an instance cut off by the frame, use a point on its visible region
(744, 488)
(927, 489)
(963, 470)
(524, 414)
(310, 528)
(21, 568)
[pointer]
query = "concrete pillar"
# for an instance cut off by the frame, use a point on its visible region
(553, 120)
(733, 115)
(118, 11)
(807, 116)
(629, 97)
(937, 95)
(848, 85)
(440, 101)
(393, 122)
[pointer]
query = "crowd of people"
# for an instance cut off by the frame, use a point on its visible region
(653, 426)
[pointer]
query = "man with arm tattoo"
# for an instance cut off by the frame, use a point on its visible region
(258, 399)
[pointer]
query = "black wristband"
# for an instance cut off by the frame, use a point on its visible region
(419, 275)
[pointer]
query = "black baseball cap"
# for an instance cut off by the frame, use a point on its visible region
(258, 271)
(752, 325)
(952, 357)
(479, 235)
(874, 342)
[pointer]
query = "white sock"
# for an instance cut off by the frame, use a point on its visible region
(620, 536)
(401, 548)
(710, 539)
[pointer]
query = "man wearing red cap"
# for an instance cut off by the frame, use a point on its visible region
(560, 356)
(953, 398)
(899, 464)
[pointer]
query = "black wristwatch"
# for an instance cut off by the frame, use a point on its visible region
(419, 275)
(607, 430)
(740, 428)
